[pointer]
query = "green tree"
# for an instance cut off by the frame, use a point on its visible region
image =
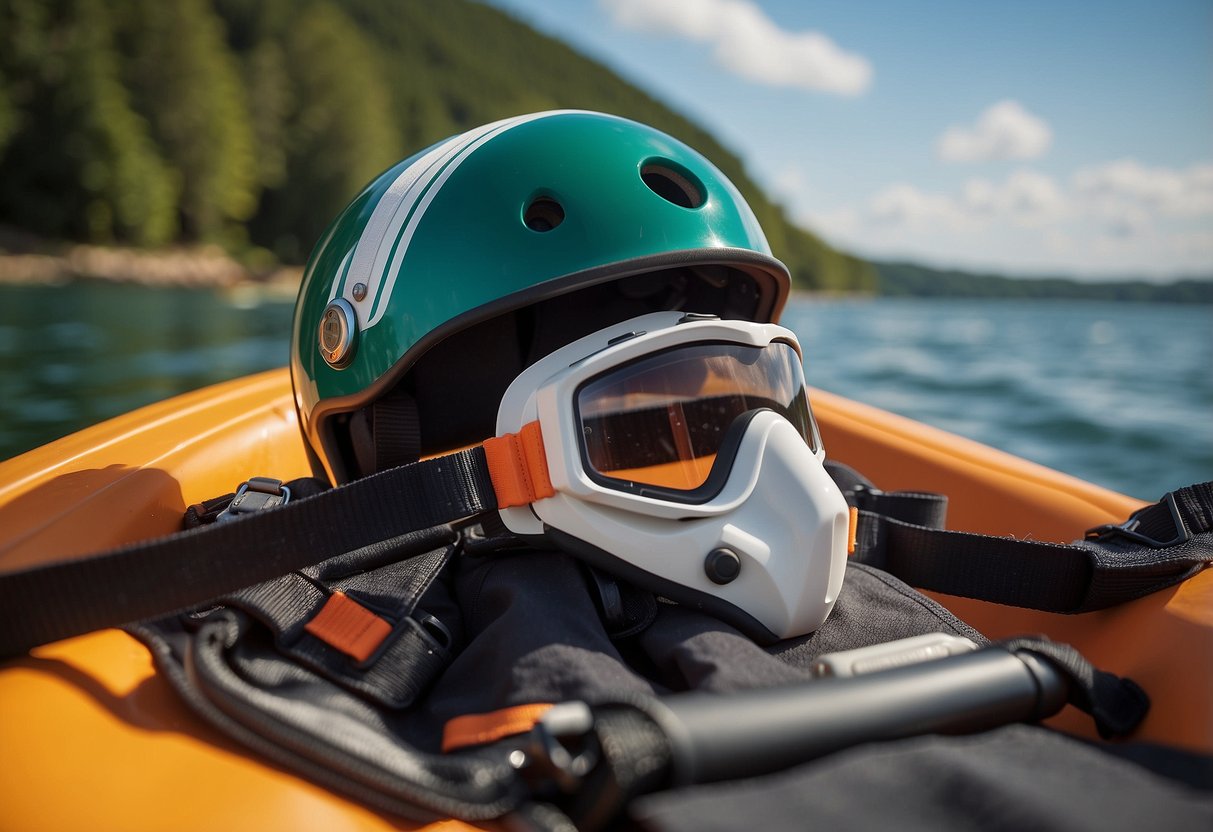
(82, 163)
(269, 92)
(255, 33)
(8, 114)
(339, 131)
(187, 83)
(454, 64)
(269, 115)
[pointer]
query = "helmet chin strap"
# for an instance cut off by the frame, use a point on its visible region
(396, 428)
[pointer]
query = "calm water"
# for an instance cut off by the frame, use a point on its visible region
(1120, 394)
(71, 356)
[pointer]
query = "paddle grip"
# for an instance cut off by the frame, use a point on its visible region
(715, 737)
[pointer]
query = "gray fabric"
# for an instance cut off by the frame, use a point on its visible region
(534, 636)
(526, 629)
(1014, 778)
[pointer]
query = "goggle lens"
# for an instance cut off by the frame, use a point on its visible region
(661, 421)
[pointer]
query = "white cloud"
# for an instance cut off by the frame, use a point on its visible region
(904, 205)
(1025, 198)
(842, 224)
(1196, 244)
(1178, 193)
(1004, 131)
(1122, 220)
(750, 44)
(1116, 218)
(789, 183)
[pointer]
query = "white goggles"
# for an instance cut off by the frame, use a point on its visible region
(680, 452)
(668, 425)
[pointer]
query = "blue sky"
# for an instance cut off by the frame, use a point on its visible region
(1023, 137)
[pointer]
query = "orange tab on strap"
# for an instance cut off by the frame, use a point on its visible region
(348, 626)
(518, 467)
(477, 729)
(853, 531)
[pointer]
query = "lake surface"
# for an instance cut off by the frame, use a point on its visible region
(1119, 394)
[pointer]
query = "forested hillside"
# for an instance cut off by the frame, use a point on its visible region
(250, 124)
(912, 280)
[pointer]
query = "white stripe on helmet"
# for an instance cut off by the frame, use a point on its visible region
(399, 212)
(343, 269)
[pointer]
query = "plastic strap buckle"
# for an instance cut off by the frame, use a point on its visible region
(561, 748)
(863, 497)
(1129, 529)
(253, 496)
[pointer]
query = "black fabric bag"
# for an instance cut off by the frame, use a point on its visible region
(478, 627)
(1018, 777)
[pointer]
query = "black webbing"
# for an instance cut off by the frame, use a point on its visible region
(635, 758)
(49, 602)
(918, 507)
(1020, 573)
(397, 430)
(1158, 547)
(1117, 705)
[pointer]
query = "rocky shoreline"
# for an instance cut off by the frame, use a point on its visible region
(200, 267)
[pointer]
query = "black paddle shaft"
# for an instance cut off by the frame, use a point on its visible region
(715, 737)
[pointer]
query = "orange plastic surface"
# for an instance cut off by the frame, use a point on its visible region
(93, 739)
(1163, 641)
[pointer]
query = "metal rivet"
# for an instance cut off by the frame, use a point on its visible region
(359, 291)
(338, 332)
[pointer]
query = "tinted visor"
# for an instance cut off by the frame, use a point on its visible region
(663, 420)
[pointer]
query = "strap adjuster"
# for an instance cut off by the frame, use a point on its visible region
(1129, 528)
(253, 496)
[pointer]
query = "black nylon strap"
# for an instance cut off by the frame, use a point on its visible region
(929, 510)
(397, 429)
(1020, 573)
(1118, 564)
(52, 601)
(408, 659)
(1117, 705)
(918, 507)
(635, 759)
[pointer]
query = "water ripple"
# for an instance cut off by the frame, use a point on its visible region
(1120, 394)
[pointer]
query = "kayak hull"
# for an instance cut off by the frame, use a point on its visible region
(103, 742)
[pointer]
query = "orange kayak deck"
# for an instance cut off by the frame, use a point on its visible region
(94, 739)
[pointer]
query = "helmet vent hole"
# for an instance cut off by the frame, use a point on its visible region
(672, 185)
(543, 214)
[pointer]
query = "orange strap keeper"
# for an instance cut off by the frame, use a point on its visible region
(348, 626)
(478, 729)
(518, 467)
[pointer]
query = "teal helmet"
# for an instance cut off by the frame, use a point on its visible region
(462, 265)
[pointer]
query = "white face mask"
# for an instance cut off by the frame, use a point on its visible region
(683, 457)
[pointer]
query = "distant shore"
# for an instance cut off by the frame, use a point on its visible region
(211, 267)
(199, 267)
